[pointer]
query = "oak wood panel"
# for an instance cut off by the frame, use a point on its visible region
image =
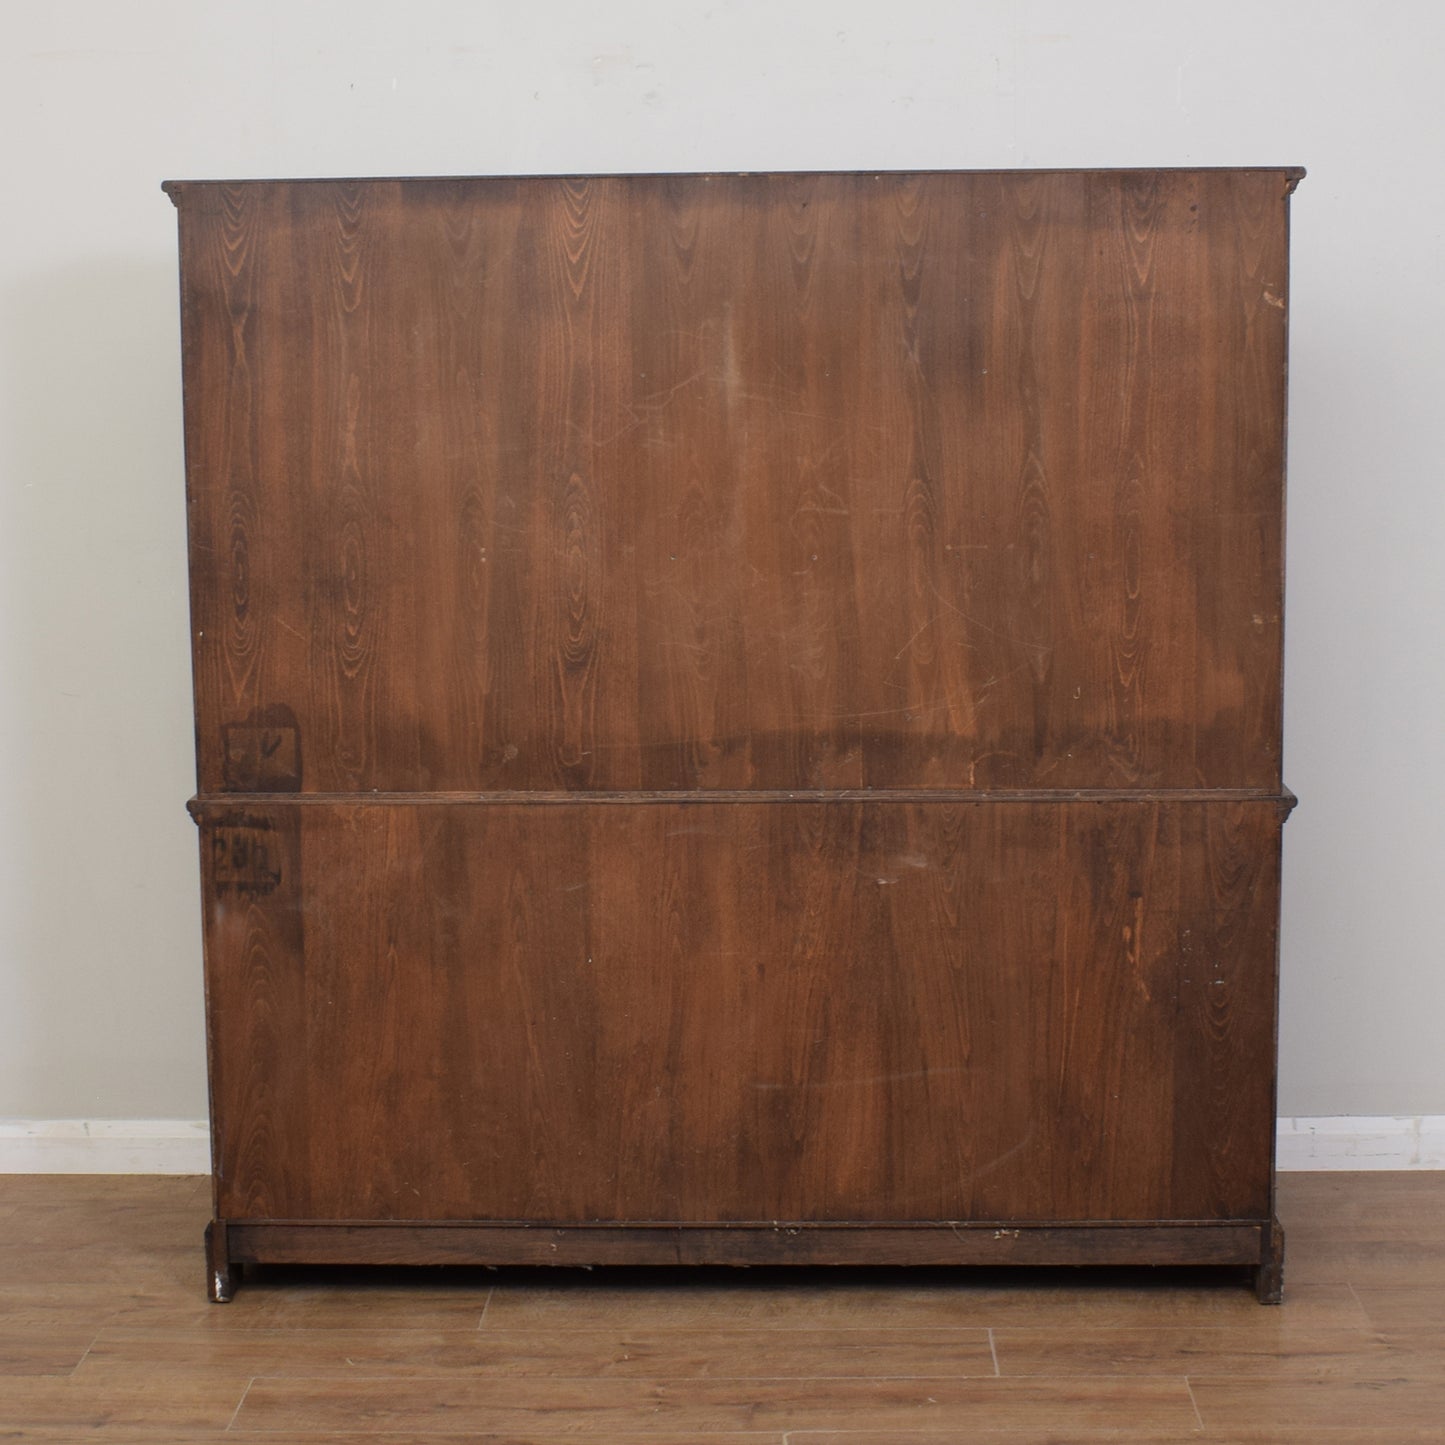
(741, 1012)
(737, 481)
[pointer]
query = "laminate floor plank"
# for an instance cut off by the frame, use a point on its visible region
(641, 1354)
(44, 1330)
(899, 1299)
(73, 1306)
(98, 1265)
(61, 1190)
(154, 1401)
(1403, 1306)
(1384, 1228)
(1403, 1200)
(1380, 1265)
(141, 1206)
(43, 1352)
(1349, 1435)
(1228, 1405)
(1267, 1352)
(149, 1435)
(603, 1407)
(105, 1334)
(1385, 1252)
(359, 1305)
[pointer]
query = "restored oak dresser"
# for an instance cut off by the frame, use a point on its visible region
(738, 716)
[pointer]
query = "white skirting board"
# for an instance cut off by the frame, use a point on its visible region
(1364, 1141)
(182, 1146)
(105, 1146)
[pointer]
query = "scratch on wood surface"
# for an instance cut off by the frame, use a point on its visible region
(854, 715)
(643, 410)
(1040, 647)
(863, 1081)
(990, 1165)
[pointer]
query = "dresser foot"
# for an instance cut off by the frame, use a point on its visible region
(221, 1274)
(1269, 1274)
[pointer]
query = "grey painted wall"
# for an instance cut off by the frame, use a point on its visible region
(100, 997)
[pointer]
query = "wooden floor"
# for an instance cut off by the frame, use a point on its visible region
(105, 1332)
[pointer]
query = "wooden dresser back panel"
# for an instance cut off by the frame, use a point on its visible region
(727, 1012)
(667, 483)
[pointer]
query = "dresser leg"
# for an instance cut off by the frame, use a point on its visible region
(220, 1281)
(1269, 1274)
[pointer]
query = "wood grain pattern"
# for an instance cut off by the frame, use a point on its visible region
(602, 1407)
(946, 479)
(247, 857)
(1283, 1352)
(153, 1405)
(1237, 1434)
(748, 1012)
(599, 1354)
(44, 1347)
(163, 1367)
(886, 1299)
(939, 1244)
(730, 705)
(1227, 1404)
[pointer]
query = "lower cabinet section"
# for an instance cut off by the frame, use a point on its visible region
(654, 1030)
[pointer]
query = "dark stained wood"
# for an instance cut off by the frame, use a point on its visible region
(220, 1271)
(949, 1244)
(746, 1012)
(738, 716)
(737, 481)
(1284, 801)
(1269, 1275)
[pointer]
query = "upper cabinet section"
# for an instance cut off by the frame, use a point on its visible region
(951, 480)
